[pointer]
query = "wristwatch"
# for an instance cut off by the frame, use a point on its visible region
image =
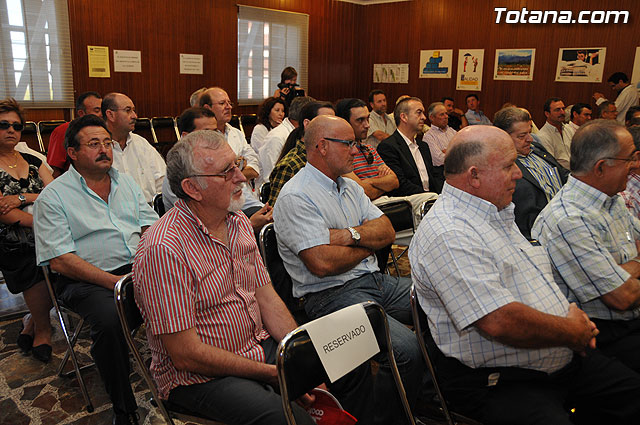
(22, 199)
(354, 235)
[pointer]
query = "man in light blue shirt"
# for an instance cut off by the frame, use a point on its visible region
(508, 339)
(328, 231)
(87, 225)
(474, 115)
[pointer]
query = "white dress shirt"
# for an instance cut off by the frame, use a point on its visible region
(417, 157)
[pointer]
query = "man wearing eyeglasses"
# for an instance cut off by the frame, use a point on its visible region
(215, 329)
(88, 223)
(592, 238)
(132, 153)
(328, 231)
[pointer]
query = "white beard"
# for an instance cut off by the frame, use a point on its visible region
(236, 204)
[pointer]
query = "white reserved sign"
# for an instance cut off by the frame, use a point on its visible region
(343, 340)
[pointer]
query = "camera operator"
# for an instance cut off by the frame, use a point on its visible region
(288, 87)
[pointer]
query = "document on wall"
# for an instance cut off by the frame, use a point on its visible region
(391, 73)
(98, 59)
(190, 64)
(127, 61)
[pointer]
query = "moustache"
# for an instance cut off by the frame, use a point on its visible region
(103, 157)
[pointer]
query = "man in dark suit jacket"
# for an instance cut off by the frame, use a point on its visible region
(397, 151)
(542, 175)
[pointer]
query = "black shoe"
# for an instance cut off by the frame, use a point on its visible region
(42, 352)
(25, 342)
(126, 419)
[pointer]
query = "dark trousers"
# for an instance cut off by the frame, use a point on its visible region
(620, 339)
(109, 348)
(233, 400)
(602, 390)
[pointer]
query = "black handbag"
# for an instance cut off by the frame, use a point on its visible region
(16, 239)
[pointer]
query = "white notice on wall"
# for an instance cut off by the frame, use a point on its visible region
(343, 340)
(127, 61)
(190, 64)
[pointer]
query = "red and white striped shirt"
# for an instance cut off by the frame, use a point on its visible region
(186, 278)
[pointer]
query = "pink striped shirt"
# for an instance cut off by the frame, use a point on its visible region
(186, 278)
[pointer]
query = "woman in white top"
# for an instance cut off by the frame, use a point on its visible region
(270, 115)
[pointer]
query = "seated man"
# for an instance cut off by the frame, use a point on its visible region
(408, 157)
(87, 224)
(439, 136)
(592, 238)
(214, 331)
(631, 194)
(132, 153)
(369, 170)
(474, 115)
(511, 348)
(457, 119)
(542, 176)
(193, 119)
(294, 160)
(327, 232)
(382, 124)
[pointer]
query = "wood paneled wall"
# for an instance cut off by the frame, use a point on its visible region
(345, 40)
(396, 32)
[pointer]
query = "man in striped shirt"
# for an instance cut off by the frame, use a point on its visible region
(542, 175)
(213, 318)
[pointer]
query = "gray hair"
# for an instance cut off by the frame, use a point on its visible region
(195, 96)
(402, 107)
(505, 118)
(181, 162)
(433, 107)
(295, 109)
(592, 142)
(604, 106)
(459, 156)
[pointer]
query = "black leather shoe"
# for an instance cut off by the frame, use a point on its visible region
(25, 342)
(42, 352)
(126, 419)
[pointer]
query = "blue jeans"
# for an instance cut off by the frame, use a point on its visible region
(392, 294)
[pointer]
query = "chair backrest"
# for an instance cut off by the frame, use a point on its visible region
(248, 122)
(31, 136)
(280, 278)
(265, 191)
(158, 204)
(426, 206)
(164, 129)
(400, 213)
(300, 369)
(45, 128)
(235, 122)
(130, 320)
(420, 323)
(143, 128)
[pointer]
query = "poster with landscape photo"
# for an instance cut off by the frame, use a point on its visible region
(514, 64)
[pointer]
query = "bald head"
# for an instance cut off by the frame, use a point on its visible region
(333, 158)
(480, 160)
(217, 100)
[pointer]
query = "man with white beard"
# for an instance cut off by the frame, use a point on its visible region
(212, 317)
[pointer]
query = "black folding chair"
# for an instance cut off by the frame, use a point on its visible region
(158, 204)
(265, 191)
(235, 122)
(61, 311)
(31, 136)
(280, 278)
(131, 320)
(248, 122)
(143, 128)
(300, 369)
(45, 128)
(400, 213)
(420, 319)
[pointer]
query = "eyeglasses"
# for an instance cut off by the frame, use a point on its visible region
(368, 155)
(228, 173)
(4, 125)
(224, 103)
(95, 145)
(635, 157)
(350, 143)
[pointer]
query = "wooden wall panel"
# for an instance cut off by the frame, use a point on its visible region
(164, 29)
(396, 32)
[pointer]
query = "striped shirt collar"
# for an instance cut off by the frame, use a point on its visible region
(184, 209)
(588, 195)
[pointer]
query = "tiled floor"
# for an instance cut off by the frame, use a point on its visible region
(31, 392)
